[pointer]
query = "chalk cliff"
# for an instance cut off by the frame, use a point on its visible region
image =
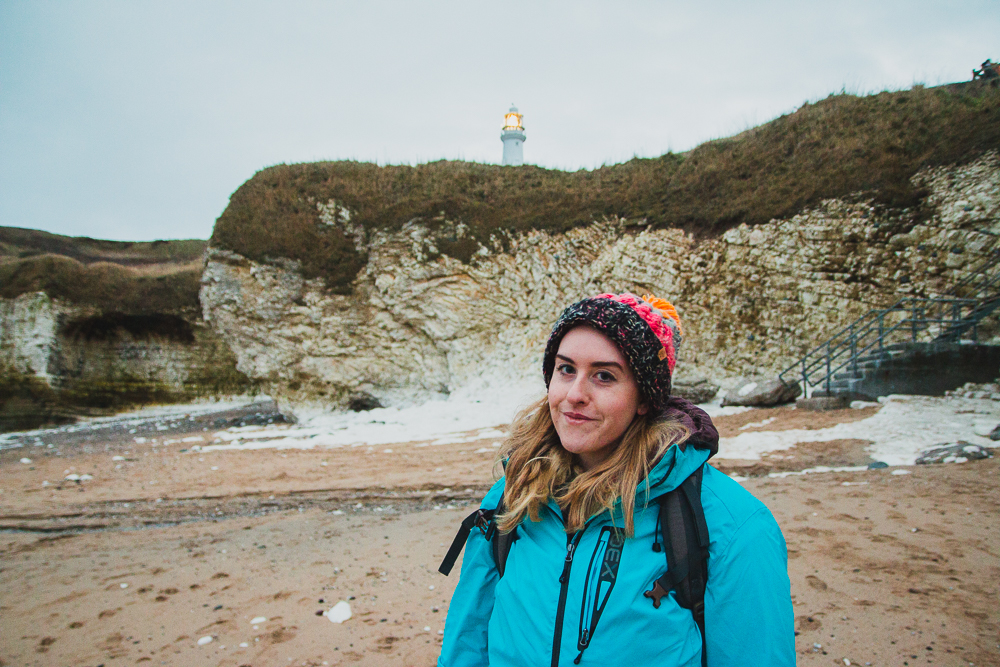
(418, 323)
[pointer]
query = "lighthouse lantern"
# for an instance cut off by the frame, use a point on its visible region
(513, 138)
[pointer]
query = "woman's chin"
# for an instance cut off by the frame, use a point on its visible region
(577, 446)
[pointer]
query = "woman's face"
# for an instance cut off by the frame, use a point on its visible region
(593, 395)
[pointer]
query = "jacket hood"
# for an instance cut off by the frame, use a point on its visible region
(704, 435)
(679, 461)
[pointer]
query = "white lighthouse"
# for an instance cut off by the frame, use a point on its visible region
(512, 137)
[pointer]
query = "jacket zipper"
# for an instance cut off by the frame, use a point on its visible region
(571, 542)
(602, 574)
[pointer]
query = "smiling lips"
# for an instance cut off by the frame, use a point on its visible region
(576, 418)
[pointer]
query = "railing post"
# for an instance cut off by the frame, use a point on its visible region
(854, 351)
(805, 379)
(828, 369)
(881, 332)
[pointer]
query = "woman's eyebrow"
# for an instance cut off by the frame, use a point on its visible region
(614, 364)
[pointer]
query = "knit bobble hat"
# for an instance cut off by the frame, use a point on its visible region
(646, 330)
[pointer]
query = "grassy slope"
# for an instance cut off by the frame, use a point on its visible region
(840, 145)
(115, 276)
(18, 243)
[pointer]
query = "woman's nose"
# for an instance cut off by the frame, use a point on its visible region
(577, 391)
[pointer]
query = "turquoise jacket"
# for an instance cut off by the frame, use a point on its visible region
(530, 618)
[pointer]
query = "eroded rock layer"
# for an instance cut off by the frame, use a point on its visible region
(58, 360)
(419, 323)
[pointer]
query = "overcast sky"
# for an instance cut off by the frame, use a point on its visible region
(136, 120)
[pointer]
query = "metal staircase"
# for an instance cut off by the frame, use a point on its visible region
(884, 336)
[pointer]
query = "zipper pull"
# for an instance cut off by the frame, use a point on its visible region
(570, 548)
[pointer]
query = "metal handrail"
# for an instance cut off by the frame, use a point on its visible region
(852, 350)
(941, 319)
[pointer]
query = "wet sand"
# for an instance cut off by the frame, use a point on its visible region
(886, 569)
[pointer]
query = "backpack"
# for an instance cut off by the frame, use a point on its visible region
(681, 524)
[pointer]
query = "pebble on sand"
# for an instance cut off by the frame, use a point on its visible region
(339, 612)
(205, 640)
(258, 619)
(25, 460)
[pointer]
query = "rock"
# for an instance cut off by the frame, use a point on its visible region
(959, 452)
(822, 403)
(695, 389)
(754, 393)
(339, 612)
(363, 402)
(995, 433)
(877, 465)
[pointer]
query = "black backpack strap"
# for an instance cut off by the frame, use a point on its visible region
(482, 519)
(685, 541)
(500, 543)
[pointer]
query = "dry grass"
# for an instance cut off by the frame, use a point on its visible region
(110, 287)
(838, 146)
(17, 243)
(116, 276)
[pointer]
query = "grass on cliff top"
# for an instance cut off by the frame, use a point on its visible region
(18, 243)
(108, 287)
(114, 276)
(840, 145)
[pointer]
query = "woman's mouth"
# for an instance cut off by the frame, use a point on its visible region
(576, 418)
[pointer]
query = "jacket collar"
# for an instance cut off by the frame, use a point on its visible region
(680, 460)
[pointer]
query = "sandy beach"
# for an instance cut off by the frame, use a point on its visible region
(151, 547)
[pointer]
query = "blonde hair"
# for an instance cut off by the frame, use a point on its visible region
(538, 468)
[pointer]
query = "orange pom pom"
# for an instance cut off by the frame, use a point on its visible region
(666, 308)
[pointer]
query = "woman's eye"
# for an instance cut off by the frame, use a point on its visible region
(605, 376)
(565, 368)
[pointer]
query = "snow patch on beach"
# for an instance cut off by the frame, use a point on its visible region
(461, 417)
(900, 431)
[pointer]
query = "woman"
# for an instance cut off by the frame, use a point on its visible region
(585, 469)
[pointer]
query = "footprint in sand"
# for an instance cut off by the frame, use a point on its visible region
(386, 644)
(807, 623)
(165, 594)
(108, 613)
(283, 634)
(76, 624)
(816, 583)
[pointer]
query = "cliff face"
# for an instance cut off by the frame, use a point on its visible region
(88, 326)
(342, 284)
(59, 359)
(418, 322)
